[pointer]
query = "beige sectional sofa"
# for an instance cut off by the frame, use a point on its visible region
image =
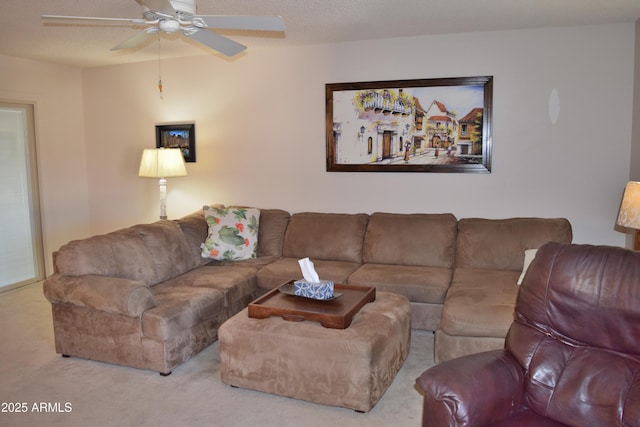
(144, 297)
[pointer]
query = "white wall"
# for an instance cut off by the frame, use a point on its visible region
(260, 129)
(634, 157)
(635, 139)
(56, 92)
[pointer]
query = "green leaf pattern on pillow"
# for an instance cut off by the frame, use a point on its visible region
(233, 233)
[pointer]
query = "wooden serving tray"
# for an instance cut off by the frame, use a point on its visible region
(336, 313)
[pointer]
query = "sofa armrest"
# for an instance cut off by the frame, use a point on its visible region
(474, 390)
(110, 294)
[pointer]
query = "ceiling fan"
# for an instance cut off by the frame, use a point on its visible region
(172, 16)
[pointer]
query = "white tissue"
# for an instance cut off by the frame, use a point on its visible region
(308, 271)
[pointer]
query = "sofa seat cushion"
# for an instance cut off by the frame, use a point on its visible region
(286, 269)
(480, 303)
(254, 263)
(237, 283)
(418, 284)
(180, 308)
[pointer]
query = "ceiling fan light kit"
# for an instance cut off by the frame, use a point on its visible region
(169, 25)
(172, 16)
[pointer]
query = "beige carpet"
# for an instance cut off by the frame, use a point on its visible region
(74, 392)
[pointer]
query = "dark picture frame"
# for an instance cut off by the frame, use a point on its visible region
(423, 125)
(182, 136)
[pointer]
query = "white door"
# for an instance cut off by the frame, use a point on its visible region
(21, 259)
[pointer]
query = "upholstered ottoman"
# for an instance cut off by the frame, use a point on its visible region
(351, 367)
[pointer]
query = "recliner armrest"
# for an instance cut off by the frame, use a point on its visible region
(474, 390)
(110, 294)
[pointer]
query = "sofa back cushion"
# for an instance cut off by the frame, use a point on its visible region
(195, 230)
(327, 236)
(499, 244)
(427, 240)
(273, 223)
(169, 249)
(121, 254)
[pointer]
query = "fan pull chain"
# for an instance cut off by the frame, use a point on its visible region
(159, 70)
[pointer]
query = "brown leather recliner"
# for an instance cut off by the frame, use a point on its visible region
(571, 357)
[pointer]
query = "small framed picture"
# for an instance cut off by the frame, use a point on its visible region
(182, 136)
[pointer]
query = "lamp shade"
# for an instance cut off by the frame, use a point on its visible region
(162, 163)
(629, 215)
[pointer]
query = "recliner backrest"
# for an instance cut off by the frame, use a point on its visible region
(577, 334)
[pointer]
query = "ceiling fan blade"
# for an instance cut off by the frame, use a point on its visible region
(136, 40)
(162, 6)
(216, 42)
(94, 18)
(243, 22)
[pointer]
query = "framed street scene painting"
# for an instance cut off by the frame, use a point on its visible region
(426, 125)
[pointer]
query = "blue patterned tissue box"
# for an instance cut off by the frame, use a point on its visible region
(320, 290)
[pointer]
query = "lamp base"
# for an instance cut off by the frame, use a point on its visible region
(163, 198)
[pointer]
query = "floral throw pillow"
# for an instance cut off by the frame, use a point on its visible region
(233, 233)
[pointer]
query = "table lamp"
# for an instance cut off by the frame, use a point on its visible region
(629, 215)
(162, 163)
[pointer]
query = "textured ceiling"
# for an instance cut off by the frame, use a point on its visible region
(23, 33)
